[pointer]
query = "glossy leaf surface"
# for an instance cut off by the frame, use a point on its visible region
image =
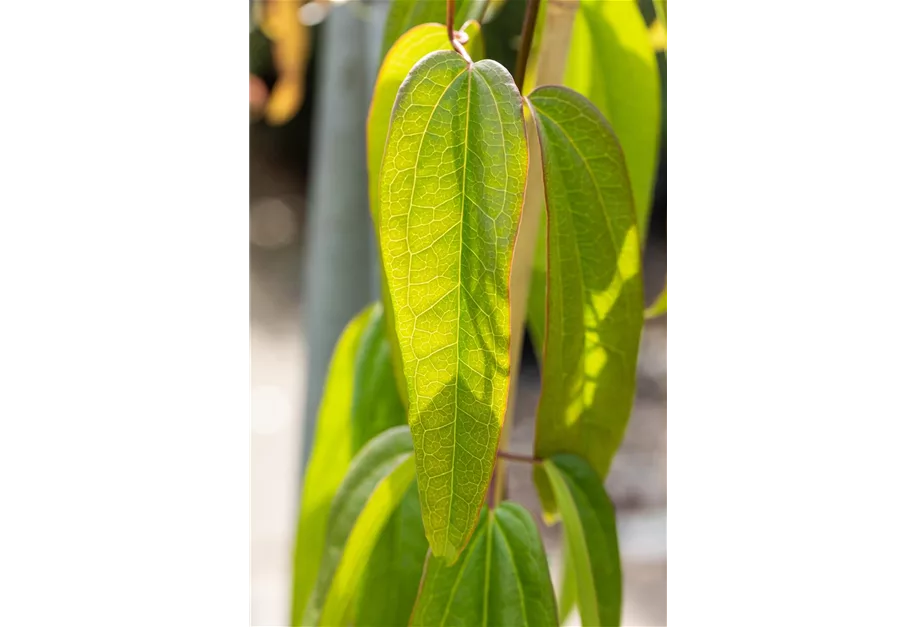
(589, 526)
(595, 288)
(501, 579)
(452, 185)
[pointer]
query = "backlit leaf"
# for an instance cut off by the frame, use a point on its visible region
(501, 579)
(331, 455)
(404, 54)
(452, 185)
(595, 288)
(373, 488)
(613, 64)
(589, 526)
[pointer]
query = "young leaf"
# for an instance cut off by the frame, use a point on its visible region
(502, 579)
(452, 185)
(589, 526)
(406, 52)
(614, 65)
(595, 288)
(374, 486)
(376, 404)
(395, 568)
(331, 454)
(657, 308)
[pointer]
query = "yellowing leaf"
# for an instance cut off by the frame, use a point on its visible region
(502, 579)
(595, 287)
(452, 185)
(404, 54)
(331, 454)
(613, 64)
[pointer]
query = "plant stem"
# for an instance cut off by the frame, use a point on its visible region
(522, 459)
(456, 39)
(525, 46)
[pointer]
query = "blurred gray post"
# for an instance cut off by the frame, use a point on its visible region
(341, 262)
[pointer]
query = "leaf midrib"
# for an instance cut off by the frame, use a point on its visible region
(458, 300)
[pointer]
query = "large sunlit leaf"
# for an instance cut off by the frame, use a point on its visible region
(589, 526)
(501, 579)
(404, 54)
(331, 455)
(595, 287)
(613, 64)
(452, 185)
(395, 568)
(410, 48)
(373, 488)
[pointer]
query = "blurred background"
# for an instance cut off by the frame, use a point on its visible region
(313, 266)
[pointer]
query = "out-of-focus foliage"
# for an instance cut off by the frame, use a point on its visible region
(290, 44)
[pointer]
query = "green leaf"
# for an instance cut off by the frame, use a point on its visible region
(410, 48)
(373, 488)
(502, 579)
(567, 597)
(595, 288)
(538, 291)
(589, 526)
(452, 186)
(405, 14)
(613, 64)
(404, 54)
(376, 404)
(657, 308)
(395, 568)
(331, 454)
(660, 11)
